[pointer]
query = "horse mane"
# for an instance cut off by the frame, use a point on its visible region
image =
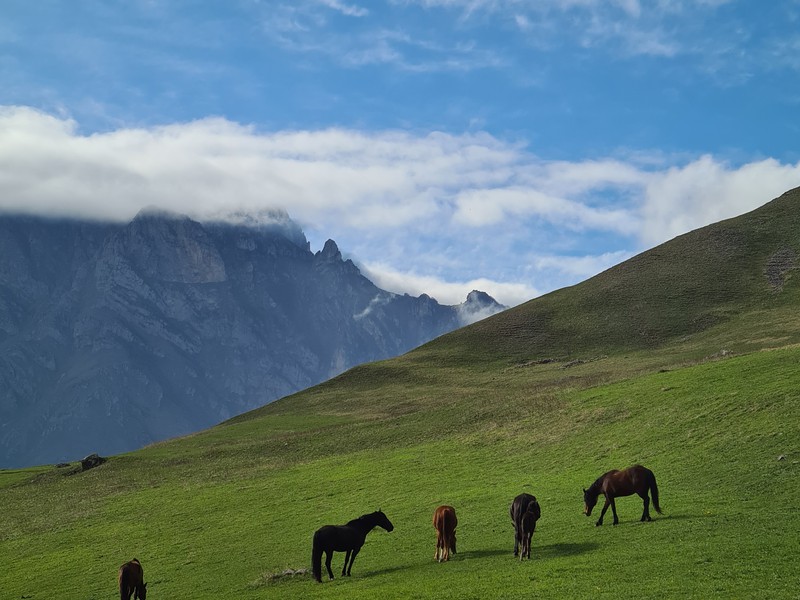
(594, 489)
(359, 519)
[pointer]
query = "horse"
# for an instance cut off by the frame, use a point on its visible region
(131, 581)
(445, 521)
(528, 526)
(633, 480)
(518, 508)
(346, 538)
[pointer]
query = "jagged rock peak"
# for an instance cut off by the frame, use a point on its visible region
(478, 305)
(479, 298)
(330, 251)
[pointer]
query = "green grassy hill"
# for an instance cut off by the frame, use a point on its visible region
(685, 358)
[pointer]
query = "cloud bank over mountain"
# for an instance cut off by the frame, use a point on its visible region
(413, 207)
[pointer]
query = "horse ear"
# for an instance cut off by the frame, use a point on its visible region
(584, 490)
(379, 509)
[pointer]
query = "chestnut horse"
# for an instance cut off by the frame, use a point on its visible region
(131, 581)
(633, 480)
(528, 526)
(346, 538)
(518, 508)
(445, 521)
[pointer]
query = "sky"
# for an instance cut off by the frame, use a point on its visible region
(511, 146)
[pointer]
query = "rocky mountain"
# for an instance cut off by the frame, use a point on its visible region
(113, 336)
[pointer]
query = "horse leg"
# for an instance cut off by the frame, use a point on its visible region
(346, 558)
(603, 512)
(328, 558)
(516, 540)
(614, 510)
(646, 513)
(352, 560)
(437, 554)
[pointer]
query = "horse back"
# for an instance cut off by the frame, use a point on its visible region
(338, 538)
(629, 481)
(131, 575)
(444, 519)
(519, 507)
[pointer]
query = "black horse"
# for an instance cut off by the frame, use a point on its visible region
(344, 538)
(518, 508)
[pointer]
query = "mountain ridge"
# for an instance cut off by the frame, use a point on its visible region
(113, 336)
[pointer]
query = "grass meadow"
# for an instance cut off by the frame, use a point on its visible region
(224, 514)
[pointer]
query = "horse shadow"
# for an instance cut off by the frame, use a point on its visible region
(564, 549)
(482, 553)
(385, 571)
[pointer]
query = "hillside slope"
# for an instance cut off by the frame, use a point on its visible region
(683, 287)
(713, 410)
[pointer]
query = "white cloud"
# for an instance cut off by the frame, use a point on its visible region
(445, 292)
(478, 204)
(708, 190)
(483, 207)
(351, 10)
(301, 29)
(581, 267)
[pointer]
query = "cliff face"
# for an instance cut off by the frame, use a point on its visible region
(116, 336)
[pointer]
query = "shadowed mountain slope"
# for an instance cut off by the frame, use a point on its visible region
(113, 336)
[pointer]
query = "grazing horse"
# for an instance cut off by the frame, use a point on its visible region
(346, 538)
(445, 521)
(131, 581)
(528, 526)
(518, 508)
(633, 480)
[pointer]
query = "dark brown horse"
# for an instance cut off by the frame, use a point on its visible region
(131, 581)
(528, 526)
(445, 521)
(518, 508)
(346, 538)
(633, 480)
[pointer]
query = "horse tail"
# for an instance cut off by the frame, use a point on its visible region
(316, 559)
(654, 491)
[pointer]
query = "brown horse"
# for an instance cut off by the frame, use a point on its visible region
(131, 581)
(633, 480)
(519, 507)
(528, 526)
(445, 521)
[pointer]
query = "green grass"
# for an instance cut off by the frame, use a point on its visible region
(684, 359)
(223, 512)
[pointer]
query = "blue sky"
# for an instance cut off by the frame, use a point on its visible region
(515, 146)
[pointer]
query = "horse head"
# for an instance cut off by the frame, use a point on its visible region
(383, 521)
(589, 500)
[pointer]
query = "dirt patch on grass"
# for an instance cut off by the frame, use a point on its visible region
(279, 576)
(779, 267)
